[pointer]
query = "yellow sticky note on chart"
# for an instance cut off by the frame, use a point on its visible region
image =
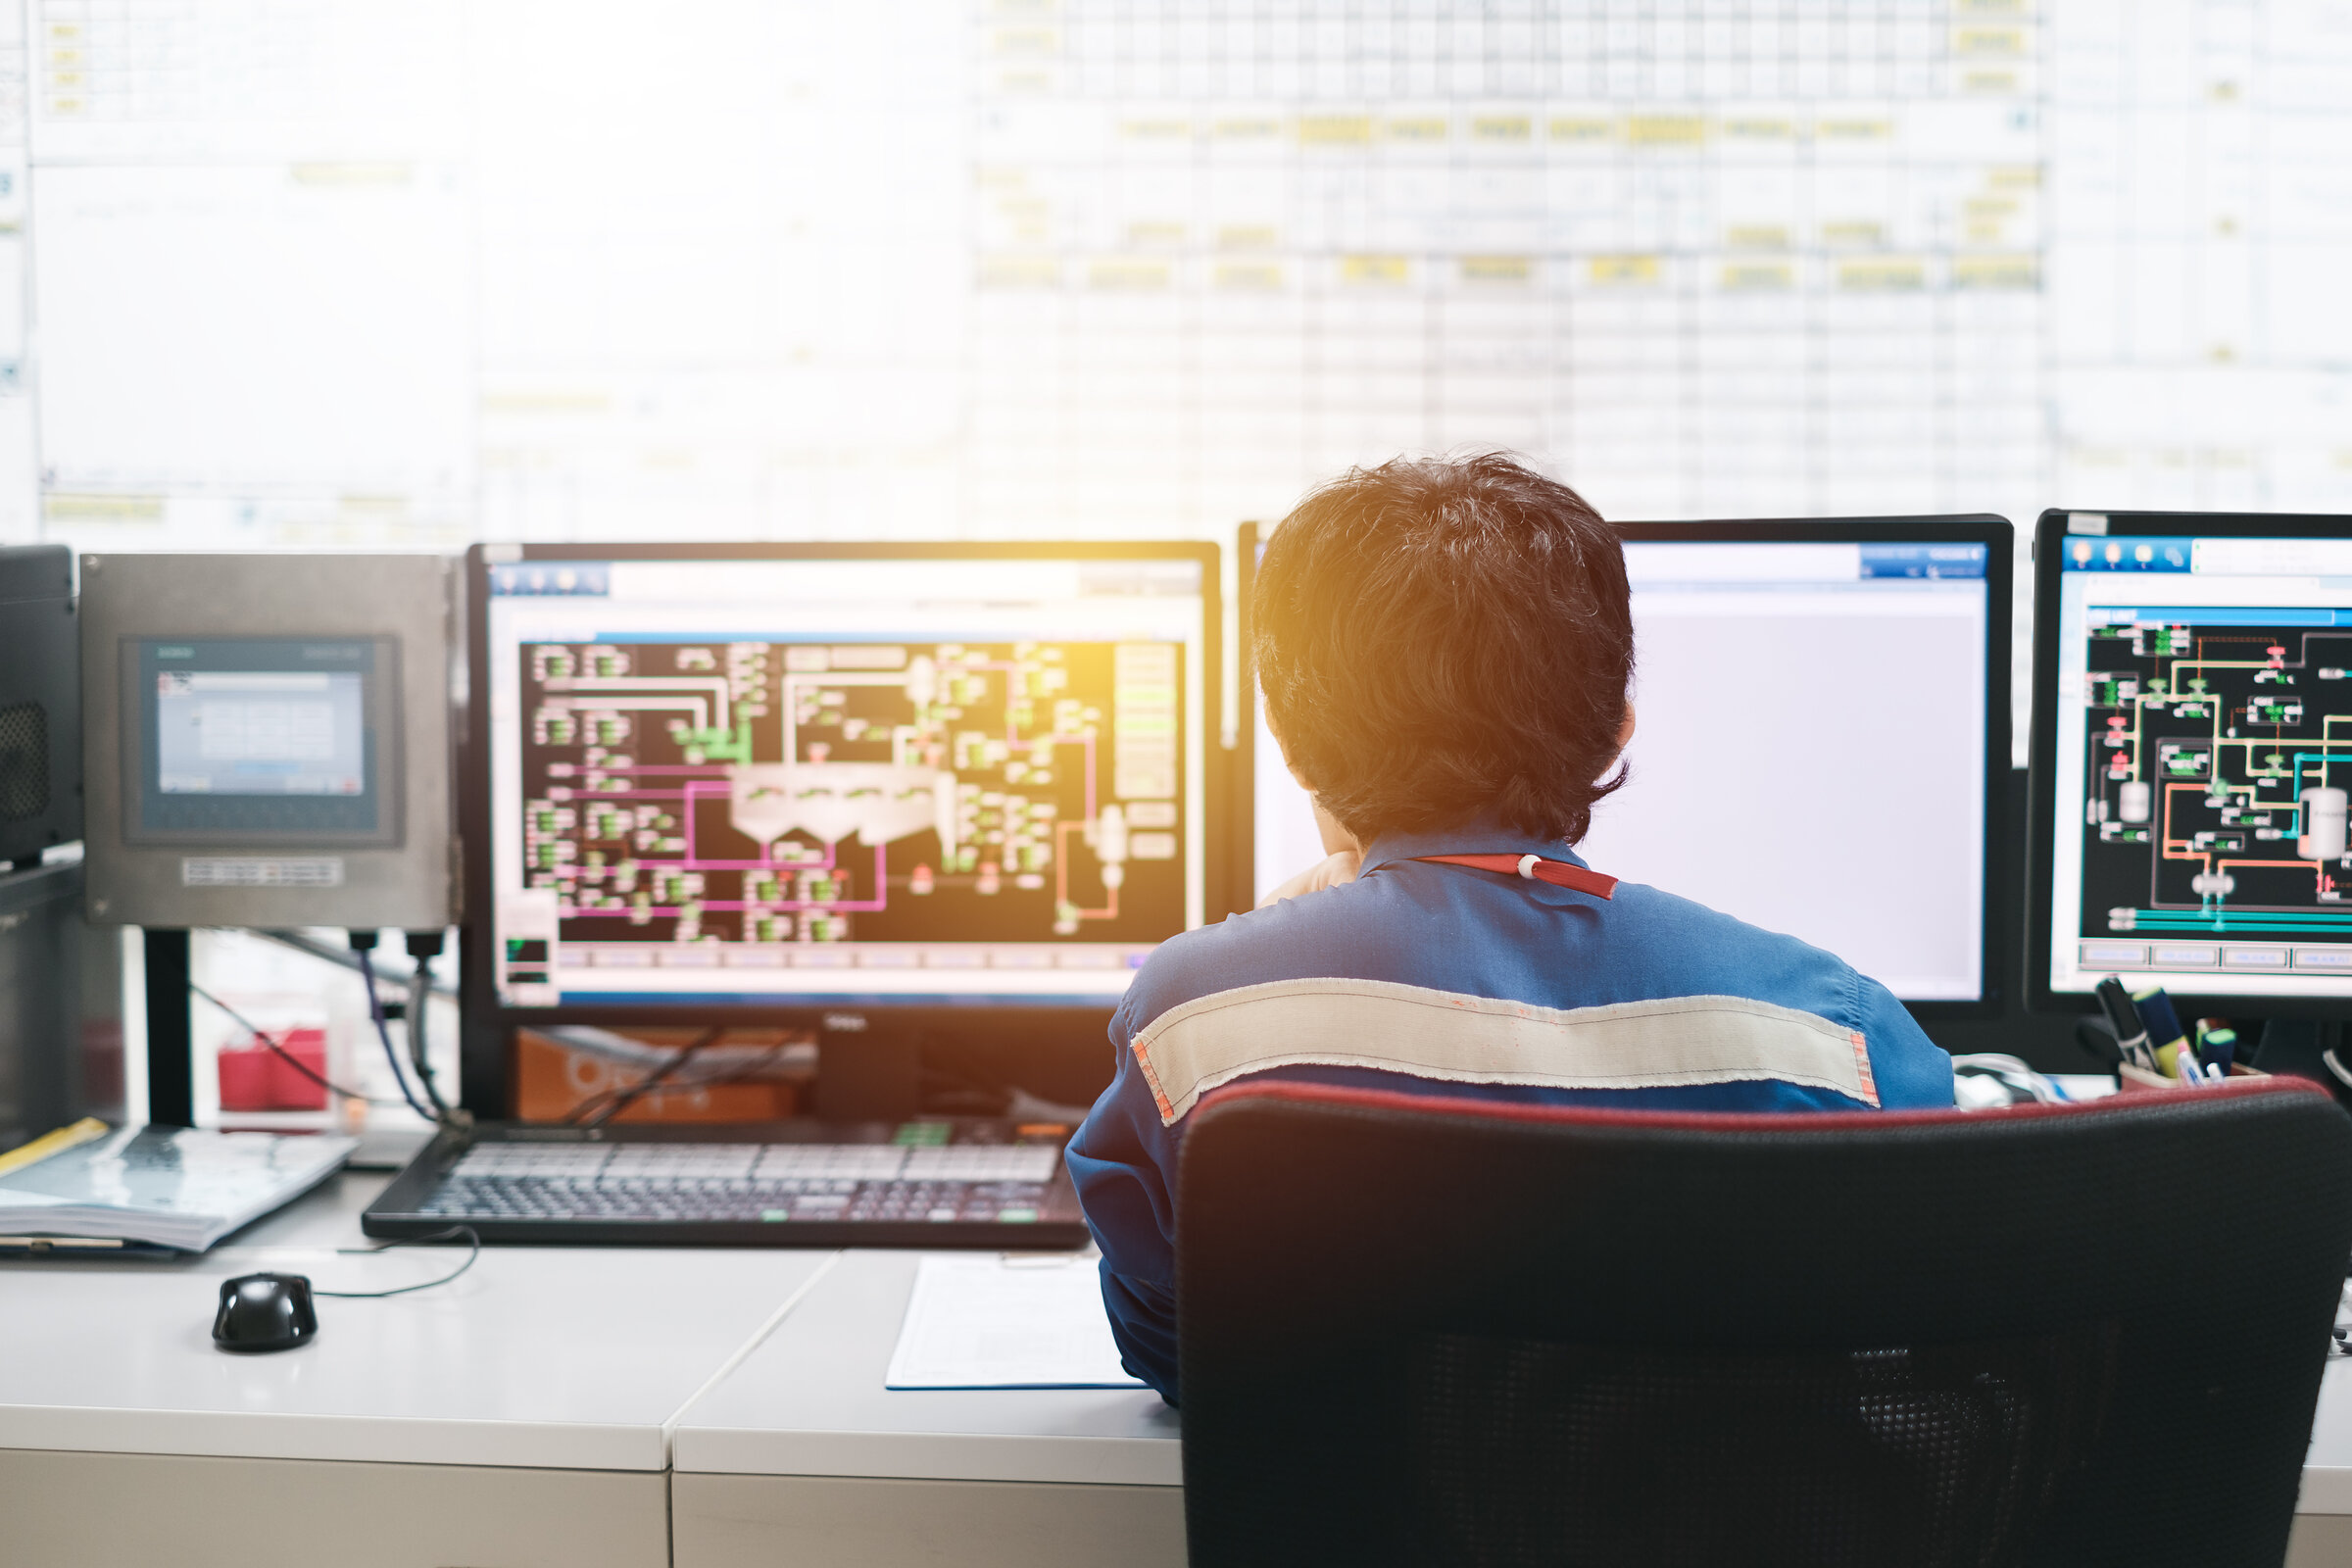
(1665, 130)
(1330, 130)
(1375, 269)
(1497, 269)
(1625, 270)
(1882, 272)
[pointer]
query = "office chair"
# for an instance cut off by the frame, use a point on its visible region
(1438, 1331)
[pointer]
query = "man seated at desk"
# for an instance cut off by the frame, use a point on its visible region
(1445, 649)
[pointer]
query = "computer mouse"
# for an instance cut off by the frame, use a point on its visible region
(265, 1312)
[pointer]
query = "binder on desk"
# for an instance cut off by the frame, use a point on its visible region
(93, 1187)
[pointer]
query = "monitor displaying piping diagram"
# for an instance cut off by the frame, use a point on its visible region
(2217, 773)
(2204, 765)
(759, 792)
(992, 809)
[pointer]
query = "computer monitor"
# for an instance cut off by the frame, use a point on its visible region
(736, 782)
(2188, 781)
(1823, 736)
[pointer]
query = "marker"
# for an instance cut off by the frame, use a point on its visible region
(2218, 1048)
(2130, 1035)
(2165, 1038)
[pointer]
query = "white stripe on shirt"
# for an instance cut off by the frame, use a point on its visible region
(1454, 1038)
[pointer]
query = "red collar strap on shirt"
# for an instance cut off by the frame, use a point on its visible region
(1535, 868)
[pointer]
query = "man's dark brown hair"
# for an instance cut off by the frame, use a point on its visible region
(1441, 642)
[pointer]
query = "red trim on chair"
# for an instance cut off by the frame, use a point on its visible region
(1732, 1121)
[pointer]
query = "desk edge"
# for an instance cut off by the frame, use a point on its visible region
(366, 1439)
(929, 1456)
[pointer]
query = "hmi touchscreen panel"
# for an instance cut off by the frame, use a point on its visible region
(259, 738)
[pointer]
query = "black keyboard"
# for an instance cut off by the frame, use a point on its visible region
(950, 1184)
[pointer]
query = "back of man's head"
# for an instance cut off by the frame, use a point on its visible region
(1447, 642)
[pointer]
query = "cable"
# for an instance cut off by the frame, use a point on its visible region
(2335, 1066)
(421, 991)
(622, 1100)
(2011, 1073)
(375, 1013)
(750, 1069)
(473, 1237)
(730, 1075)
(285, 1055)
(422, 946)
(340, 957)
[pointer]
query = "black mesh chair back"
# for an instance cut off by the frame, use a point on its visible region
(1447, 1332)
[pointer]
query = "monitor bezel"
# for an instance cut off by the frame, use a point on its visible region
(1241, 877)
(1046, 1022)
(2052, 527)
(1993, 532)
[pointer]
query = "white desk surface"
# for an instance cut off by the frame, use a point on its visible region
(589, 1358)
(553, 1359)
(810, 1401)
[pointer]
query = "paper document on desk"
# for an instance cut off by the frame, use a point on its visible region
(988, 1322)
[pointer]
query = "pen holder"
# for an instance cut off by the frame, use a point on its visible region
(2131, 1080)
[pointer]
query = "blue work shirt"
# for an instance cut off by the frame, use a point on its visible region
(1444, 980)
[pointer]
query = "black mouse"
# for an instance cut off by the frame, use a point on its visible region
(265, 1312)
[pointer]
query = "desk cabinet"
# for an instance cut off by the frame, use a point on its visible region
(104, 1510)
(2320, 1540)
(848, 1522)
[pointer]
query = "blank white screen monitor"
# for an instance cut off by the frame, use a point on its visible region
(1812, 747)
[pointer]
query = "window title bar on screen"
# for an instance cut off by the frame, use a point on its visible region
(925, 577)
(2211, 557)
(1653, 562)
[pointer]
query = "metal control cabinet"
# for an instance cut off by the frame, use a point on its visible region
(232, 859)
(60, 1006)
(40, 703)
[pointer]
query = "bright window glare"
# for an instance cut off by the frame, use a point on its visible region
(332, 273)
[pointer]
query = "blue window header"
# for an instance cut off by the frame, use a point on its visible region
(2214, 615)
(1924, 561)
(2083, 553)
(552, 578)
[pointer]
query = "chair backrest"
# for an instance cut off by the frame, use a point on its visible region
(1452, 1332)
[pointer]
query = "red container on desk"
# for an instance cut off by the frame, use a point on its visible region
(253, 1077)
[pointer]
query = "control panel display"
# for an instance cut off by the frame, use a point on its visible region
(271, 737)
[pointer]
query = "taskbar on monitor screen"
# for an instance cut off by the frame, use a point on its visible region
(867, 973)
(2225, 965)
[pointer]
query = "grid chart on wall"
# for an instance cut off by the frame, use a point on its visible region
(1714, 261)
(312, 273)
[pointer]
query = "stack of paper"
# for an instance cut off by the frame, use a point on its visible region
(995, 1322)
(164, 1186)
